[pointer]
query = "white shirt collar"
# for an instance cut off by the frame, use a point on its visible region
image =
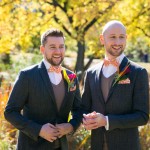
(119, 58)
(110, 70)
(46, 63)
(55, 78)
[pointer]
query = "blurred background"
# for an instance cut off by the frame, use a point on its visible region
(23, 21)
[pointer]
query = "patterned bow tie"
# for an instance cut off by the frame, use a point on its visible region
(55, 69)
(112, 62)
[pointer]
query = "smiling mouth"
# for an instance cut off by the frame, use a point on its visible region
(117, 47)
(56, 56)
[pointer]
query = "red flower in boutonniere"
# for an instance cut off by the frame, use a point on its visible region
(70, 80)
(122, 75)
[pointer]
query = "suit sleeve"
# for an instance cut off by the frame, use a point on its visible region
(140, 105)
(76, 109)
(16, 103)
(86, 96)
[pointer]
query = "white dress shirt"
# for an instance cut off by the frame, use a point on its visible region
(107, 72)
(54, 77)
(110, 70)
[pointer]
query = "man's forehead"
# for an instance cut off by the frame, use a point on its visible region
(114, 26)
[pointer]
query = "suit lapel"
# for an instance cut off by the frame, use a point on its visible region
(98, 83)
(121, 67)
(48, 85)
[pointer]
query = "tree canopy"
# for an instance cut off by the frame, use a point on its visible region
(23, 21)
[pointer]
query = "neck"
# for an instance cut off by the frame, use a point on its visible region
(56, 66)
(110, 57)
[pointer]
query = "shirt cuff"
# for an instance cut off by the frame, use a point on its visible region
(107, 124)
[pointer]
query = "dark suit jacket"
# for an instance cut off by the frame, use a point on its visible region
(126, 107)
(33, 93)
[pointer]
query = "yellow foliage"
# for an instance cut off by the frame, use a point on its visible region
(135, 15)
(7, 130)
(20, 21)
(5, 89)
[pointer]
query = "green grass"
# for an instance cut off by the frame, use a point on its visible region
(5, 145)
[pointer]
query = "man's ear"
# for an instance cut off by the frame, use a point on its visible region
(102, 39)
(42, 49)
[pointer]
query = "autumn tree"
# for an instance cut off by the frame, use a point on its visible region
(22, 22)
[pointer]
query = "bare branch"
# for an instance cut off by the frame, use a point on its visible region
(142, 12)
(66, 30)
(55, 4)
(94, 20)
(143, 31)
(88, 63)
(6, 3)
(64, 9)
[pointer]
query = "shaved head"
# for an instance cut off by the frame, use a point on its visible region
(113, 38)
(112, 24)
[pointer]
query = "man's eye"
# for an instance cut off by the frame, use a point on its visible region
(122, 37)
(112, 37)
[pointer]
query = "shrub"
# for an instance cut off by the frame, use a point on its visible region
(145, 137)
(8, 132)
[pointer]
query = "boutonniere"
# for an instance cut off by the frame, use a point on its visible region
(122, 75)
(70, 78)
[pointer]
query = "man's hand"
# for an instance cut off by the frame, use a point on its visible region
(49, 132)
(94, 120)
(64, 128)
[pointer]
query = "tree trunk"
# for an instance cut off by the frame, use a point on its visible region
(79, 68)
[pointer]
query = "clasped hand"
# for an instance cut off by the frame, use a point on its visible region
(51, 132)
(94, 120)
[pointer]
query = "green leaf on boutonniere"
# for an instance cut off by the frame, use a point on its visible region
(122, 75)
(69, 78)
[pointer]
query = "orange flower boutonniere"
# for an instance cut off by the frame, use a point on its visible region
(122, 75)
(70, 78)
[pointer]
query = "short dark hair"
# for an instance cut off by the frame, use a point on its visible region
(49, 33)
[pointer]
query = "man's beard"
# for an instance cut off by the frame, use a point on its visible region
(116, 54)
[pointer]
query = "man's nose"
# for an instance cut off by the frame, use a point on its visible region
(117, 41)
(58, 49)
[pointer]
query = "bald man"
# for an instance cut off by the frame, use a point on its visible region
(115, 99)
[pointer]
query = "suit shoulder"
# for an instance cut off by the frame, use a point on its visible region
(30, 68)
(136, 66)
(138, 69)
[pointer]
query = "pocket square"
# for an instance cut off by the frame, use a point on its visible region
(126, 81)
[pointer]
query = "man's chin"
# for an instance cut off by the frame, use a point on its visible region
(56, 63)
(116, 54)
